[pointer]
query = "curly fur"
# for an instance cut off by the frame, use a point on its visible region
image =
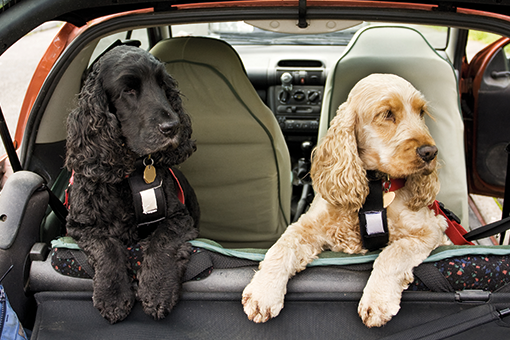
(129, 107)
(380, 127)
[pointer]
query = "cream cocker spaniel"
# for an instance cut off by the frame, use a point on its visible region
(380, 127)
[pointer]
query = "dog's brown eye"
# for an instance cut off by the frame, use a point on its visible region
(388, 115)
(130, 91)
(422, 113)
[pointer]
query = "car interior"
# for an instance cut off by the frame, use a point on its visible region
(291, 119)
(257, 112)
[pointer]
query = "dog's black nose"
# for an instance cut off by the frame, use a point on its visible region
(168, 128)
(427, 152)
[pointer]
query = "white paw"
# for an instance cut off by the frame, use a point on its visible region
(261, 302)
(376, 309)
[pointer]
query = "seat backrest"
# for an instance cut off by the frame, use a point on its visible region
(405, 52)
(241, 169)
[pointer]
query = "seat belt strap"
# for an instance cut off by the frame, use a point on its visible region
(488, 230)
(498, 227)
(506, 199)
(445, 327)
(432, 278)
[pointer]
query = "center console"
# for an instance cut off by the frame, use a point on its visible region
(297, 102)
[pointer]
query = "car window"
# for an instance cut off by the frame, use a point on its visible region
(104, 43)
(17, 66)
(477, 40)
(437, 36)
(241, 33)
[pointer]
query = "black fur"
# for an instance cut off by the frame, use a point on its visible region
(129, 107)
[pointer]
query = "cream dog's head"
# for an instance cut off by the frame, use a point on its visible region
(380, 127)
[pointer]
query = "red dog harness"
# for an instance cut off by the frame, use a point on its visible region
(455, 231)
(180, 192)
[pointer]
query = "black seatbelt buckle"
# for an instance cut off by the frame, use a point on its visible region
(449, 214)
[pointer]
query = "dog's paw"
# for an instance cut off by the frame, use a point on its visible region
(158, 306)
(260, 303)
(157, 301)
(114, 304)
(376, 311)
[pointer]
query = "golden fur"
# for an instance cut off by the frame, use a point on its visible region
(380, 127)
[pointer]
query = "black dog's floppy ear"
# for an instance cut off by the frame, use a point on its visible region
(94, 139)
(187, 145)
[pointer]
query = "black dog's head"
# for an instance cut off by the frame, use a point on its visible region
(129, 107)
(145, 100)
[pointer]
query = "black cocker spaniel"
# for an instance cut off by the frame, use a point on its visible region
(127, 132)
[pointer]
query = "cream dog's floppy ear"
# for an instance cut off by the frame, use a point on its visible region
(337, 171)
(424, 189)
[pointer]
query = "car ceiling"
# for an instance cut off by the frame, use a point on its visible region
(17, 18)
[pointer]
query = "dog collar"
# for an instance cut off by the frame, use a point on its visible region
(389, 184)
(393, 184)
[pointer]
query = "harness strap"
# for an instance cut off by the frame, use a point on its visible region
(147, 197)
(372, 218)
(455, 231)
(180, 192)
(66, 199)
(149, 200)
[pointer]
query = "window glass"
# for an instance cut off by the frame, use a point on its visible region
(241, 33)
(477, 40)
(104, 43)
(17, 66)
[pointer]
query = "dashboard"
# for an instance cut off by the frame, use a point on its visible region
(290, 79)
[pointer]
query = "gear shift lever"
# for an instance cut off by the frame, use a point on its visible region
(304, 162)
(303, 173)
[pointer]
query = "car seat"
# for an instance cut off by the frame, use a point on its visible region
(241, 169)
(405, 52)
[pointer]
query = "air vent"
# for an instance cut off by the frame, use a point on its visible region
(299, 63)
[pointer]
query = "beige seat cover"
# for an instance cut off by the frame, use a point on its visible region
(405, 52)
(241, 170)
